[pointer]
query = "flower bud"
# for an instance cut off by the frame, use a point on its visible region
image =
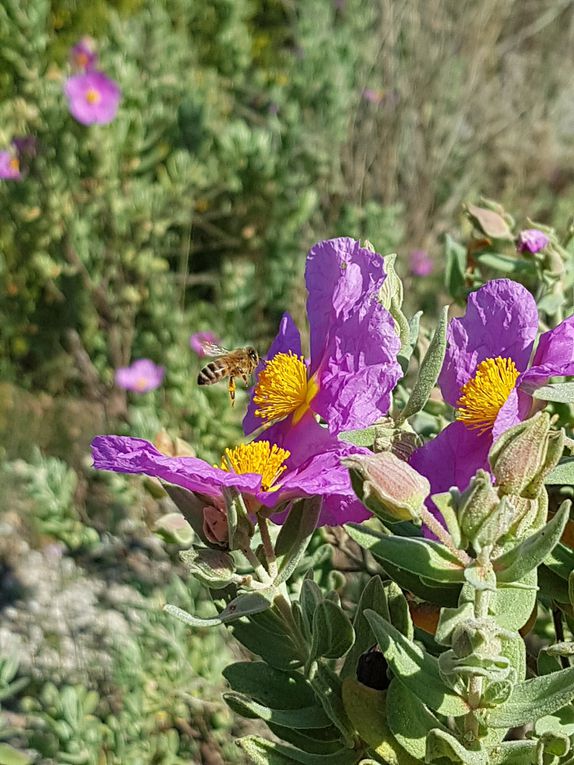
(477, 505)
(523, 456)
(389, 487)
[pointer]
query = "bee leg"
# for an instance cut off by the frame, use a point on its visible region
(245, 379)
(231, 388)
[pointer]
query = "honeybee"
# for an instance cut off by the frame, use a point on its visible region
(238, 363)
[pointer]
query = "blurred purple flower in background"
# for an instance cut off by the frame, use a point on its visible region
(420, 263)
(140, 377)
(532, 240)
(10, 166)
(83, 54)
(199, 340)
(93, 98)
(373, 96)
(25, 145)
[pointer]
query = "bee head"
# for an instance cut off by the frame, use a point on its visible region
(253, 355)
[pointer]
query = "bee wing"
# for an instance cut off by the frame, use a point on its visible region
(210, 349)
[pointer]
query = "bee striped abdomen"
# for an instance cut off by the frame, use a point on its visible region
(211, 373)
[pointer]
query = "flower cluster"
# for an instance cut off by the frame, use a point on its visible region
(300, 405)
(489, 376)
(93, 97)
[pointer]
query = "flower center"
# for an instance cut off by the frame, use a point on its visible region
(93, 96)
(257, 457)
(283, 388)
(141, 383)
(15, 164)
(483, 396)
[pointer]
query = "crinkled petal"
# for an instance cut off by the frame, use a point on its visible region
(501, 319)
(315, 468)
(354, 344)
(554, 356)
(514, 410)
(342, 277)
(134, 455)
(287, 339)
(453, 457)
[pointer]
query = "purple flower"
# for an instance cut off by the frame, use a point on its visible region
(199, 340)
(10, 166)
(353, 366)
(83, 55)
(420, 263)
(487, 377)
(532, 240)
(140, 377)
(266, 473)
(93, 97)
(373, 96)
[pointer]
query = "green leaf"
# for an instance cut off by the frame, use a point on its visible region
(513, 605)
(442, 746)
(302, 717)
(264, 634)
(242, 605)
(373, 597)
(552, 585)
(214, 568)
(309, 600)
(367, 710)
(332, 633)
(295, 535)
(415, 668)
(421, 557)
(362, 437)
(562, 393)
(328, 690)
(529, 554)
(455, 270)
(535, 698)
(512, 753)
(442, 595)
(11, 756)
(399, 614)
(561, 561)
(263, 752)
(312, 740)
(562, 475)
(429, 370)
(505, 264)
(269, 686)
(409, 720)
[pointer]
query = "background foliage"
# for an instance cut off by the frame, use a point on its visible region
(244, 136)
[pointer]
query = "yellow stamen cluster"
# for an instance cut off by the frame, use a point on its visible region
(283, 388)
(15, 164)
(93, 96)
(257, 457)
(483, 396)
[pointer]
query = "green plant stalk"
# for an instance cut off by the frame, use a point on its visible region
(442, 534)
(476, 683)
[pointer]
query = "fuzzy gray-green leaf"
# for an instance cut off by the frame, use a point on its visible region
(535, 698)
(562, 393)
(415, 668)
(332, 632)
(429, 370)
(421, 557)
(530, 553)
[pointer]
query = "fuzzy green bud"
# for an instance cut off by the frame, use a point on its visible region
(523, 456)
(477, 505)
(389, 487)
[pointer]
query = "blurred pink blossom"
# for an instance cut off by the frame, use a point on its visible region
(93, 98)
(83, 55)
(420, 263)
(140, 377)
